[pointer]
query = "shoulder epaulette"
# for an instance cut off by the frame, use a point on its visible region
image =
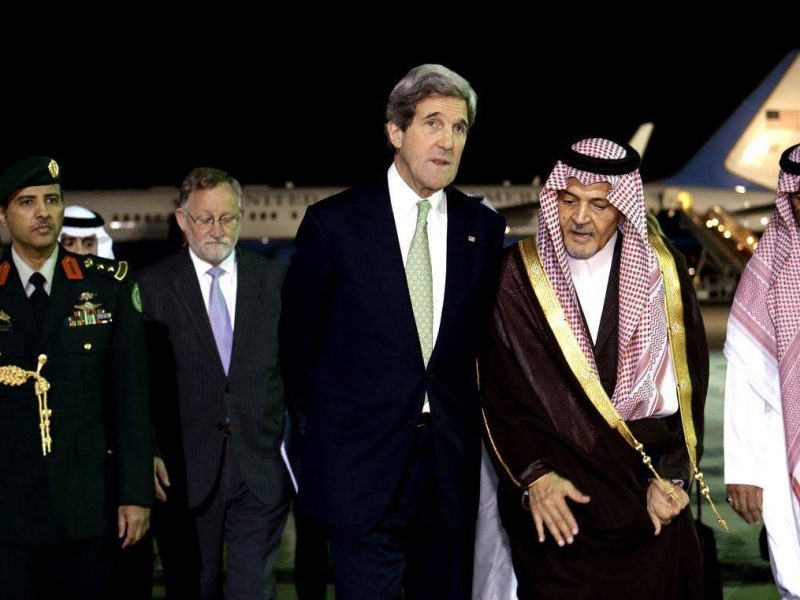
(5, 267)
(71, 268)
(116, 269)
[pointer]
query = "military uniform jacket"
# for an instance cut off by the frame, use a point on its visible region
(100, 426)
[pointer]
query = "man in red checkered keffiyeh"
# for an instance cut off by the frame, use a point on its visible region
(643, 350)
(762, 391)
(580, 482)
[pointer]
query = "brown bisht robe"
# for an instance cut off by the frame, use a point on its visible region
(539, 419)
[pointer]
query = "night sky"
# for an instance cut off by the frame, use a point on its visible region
(267, 116)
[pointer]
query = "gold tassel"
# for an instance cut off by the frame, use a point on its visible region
(16, 376)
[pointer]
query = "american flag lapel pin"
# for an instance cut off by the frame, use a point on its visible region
(471, 239)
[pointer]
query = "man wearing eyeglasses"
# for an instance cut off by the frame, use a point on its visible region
(211, 313)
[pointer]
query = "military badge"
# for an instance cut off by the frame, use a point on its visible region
(5, 321)
(86, 312)
(136, 298)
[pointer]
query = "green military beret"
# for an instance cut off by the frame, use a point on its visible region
(36, 170)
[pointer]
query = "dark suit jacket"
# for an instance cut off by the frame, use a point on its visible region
(100, 426)
(352, 361)
(191, 393)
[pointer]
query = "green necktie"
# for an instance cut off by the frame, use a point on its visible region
(420, 280)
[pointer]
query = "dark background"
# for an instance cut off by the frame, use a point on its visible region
(139, 112)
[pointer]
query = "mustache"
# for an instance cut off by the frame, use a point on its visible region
(582, 230)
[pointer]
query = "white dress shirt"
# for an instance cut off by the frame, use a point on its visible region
(404, 208)
(48, 270)
(590, 278)
(227, 281)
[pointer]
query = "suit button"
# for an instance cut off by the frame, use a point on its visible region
(227, 388)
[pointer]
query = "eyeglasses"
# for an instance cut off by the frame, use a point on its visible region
(204, 223)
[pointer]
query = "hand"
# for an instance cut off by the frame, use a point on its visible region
(548, 507)
(661, 507)
(161, 478)
(747, 500)
(132, 523)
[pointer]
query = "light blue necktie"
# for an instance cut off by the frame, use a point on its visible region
(220, 318)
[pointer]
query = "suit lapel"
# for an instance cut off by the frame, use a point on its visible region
(17, 304)
(246, 305)
(187, 291)
(63, 296)
(459, 261)
(382, 252)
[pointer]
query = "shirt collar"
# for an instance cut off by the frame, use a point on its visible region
(599, 263)
(405, 199)
(48, 268)
(201, 267)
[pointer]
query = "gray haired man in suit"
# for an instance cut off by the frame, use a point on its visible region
(211, 313)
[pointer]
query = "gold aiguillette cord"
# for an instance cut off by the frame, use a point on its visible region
(16, 376)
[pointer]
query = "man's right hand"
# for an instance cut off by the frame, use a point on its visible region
(747, 500)
(161, 478)
(549, 507)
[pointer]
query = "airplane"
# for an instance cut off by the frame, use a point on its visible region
(733, 175)
(737, 168)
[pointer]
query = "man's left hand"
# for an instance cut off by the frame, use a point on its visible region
(132, 523)
(661, 507)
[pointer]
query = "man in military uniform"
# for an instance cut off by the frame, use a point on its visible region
(76, 473)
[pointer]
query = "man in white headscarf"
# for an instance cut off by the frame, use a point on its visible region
(83, 233)
(762, 391)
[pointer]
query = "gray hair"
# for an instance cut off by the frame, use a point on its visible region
(424, 81)
(206, 178)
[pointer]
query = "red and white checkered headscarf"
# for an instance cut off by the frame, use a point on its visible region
(767, 304)
(643, 335)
